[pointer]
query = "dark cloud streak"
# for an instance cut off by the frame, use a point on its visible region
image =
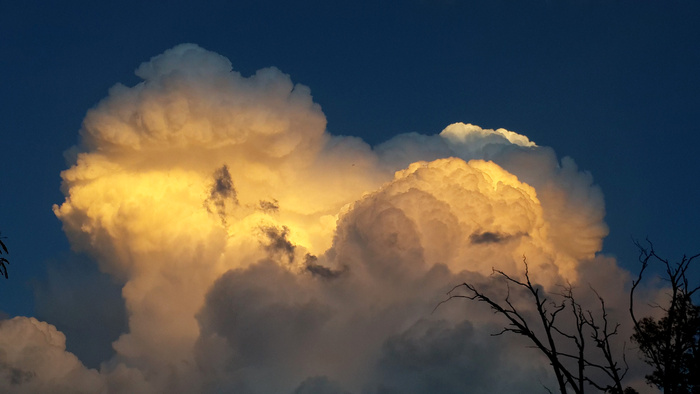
(316, 269)
(279, 245)
(269, 206)
(222, 191)
(489, 237)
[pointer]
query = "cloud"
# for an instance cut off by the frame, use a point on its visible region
(277, 244)
(270, 320)
(441, 357)
(322, 271)
(318, 385)
(257, 253)
(34, 360)
(430, 212)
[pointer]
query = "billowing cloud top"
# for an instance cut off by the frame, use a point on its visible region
(191, 99)
(257, 253)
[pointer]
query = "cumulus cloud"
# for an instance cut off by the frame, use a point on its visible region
(260, 254)
(34, 360)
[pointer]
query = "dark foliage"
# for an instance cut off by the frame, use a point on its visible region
(3, 260)
(670, 344)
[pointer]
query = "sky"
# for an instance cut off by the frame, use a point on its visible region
(278, 193)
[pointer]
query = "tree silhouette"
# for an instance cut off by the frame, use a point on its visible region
(670, 344)
(562, 340)
(3, 260)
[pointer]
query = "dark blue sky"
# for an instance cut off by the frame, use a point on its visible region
(613, 84)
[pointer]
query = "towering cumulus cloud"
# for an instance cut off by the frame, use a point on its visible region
(257, 253)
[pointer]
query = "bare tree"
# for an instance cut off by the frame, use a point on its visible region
(670, 344)
(576, 369)
(3, 260)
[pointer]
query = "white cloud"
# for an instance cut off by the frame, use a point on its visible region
(259, 254)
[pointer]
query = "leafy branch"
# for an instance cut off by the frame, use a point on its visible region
(3, 260)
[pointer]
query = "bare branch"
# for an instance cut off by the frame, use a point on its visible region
(549, 332)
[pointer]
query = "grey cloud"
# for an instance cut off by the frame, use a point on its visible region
(319, 385)
(380, 237)
(279, 245)
(437, 356)
(16, 376)
(267, 319)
